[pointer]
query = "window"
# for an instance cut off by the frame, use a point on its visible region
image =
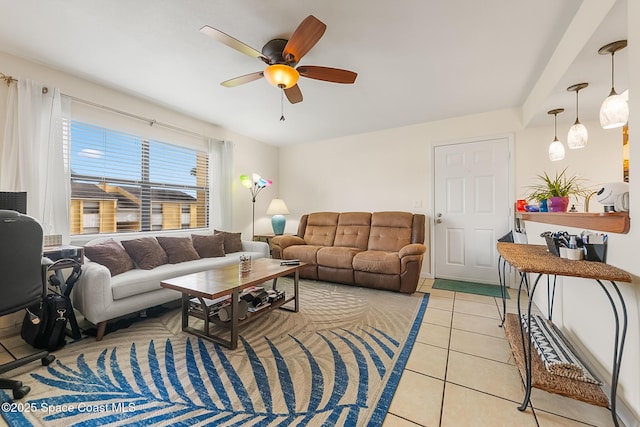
(123, 183)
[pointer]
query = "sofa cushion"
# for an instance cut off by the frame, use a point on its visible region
(178, 249)
(111, 255)
(232, 241)
(146, 252)
(136, 282)
(305, 253)
(390, 231)
(336, 257)
(377, 262)
(209, 246)
(353, 230)
(321, 228)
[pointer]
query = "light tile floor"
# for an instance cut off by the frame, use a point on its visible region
(461, 372)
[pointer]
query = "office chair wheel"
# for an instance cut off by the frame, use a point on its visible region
(19, 393)
(46, 361)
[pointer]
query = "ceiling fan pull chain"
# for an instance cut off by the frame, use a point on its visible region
(281, 105)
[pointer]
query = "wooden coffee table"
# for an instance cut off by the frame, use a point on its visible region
(228, 281)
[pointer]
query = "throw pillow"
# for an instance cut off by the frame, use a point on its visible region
(178, 249)
(209, 246)
(111, 255)
(232, 241)
(146, 252)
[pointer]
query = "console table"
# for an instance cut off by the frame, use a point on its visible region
(537, 260)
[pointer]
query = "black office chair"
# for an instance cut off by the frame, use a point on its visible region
(22, 281)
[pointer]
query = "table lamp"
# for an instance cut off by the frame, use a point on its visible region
(278, 209)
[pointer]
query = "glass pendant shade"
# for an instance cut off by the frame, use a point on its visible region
(556, 151)
(614, 112)
(281, 75)
(577, 137)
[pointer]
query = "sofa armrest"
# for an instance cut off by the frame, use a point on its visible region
(261, 247)
(286, 241)
(280, 243)
(92, 295)
(412, 249)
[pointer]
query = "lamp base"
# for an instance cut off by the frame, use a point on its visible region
(278, 222)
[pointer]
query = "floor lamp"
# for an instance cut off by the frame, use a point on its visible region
(255, 183)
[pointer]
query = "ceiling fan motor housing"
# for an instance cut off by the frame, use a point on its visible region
(273, 51)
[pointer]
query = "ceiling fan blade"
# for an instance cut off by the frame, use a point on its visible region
(237, 81)
(334, 75)
(232, 42)
(294, 95)
(303, 39)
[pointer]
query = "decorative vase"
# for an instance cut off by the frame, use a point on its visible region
(543, 205)
(557, 204)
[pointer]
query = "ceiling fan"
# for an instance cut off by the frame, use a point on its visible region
(282, 57)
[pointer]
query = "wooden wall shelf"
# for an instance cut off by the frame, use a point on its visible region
(612, 222)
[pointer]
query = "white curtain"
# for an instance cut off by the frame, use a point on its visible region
(33, 154)
(221, 173)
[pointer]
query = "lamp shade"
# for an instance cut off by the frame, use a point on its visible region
(556, 151)
(281, 75)
(577, 137)
(614, 112)
(278, 209)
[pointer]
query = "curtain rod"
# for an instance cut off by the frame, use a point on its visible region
(10, 79)
(152, 122)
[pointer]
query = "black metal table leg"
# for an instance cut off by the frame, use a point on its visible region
(526, 345)
(618, 344)
(503, 289)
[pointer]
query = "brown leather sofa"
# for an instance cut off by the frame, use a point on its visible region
(381, 250)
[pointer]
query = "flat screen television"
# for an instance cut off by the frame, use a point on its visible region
(14, 201)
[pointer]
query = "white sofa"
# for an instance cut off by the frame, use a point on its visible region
(100, 297)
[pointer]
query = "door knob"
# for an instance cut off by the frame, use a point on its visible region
(438, 221)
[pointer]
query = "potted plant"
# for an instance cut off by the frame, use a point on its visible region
(556, 190)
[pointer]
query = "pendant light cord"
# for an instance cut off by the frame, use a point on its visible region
(613, 91)
(577, 113)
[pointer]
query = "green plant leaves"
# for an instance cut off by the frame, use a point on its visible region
(560, 185)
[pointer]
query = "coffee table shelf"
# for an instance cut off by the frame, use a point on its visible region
(227, 281)
(249, 316)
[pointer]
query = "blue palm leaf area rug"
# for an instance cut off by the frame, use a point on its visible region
(336, 362)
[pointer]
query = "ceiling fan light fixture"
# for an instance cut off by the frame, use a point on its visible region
(281, 75)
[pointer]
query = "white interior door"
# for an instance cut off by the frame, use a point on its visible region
(472, 208)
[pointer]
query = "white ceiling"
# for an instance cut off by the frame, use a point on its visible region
(417, 60)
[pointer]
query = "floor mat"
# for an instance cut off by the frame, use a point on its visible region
(468, 287)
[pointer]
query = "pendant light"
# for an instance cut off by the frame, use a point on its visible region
(614, 111)
(556, 149)
(578, 135)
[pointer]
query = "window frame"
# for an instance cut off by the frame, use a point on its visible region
(145, 185)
